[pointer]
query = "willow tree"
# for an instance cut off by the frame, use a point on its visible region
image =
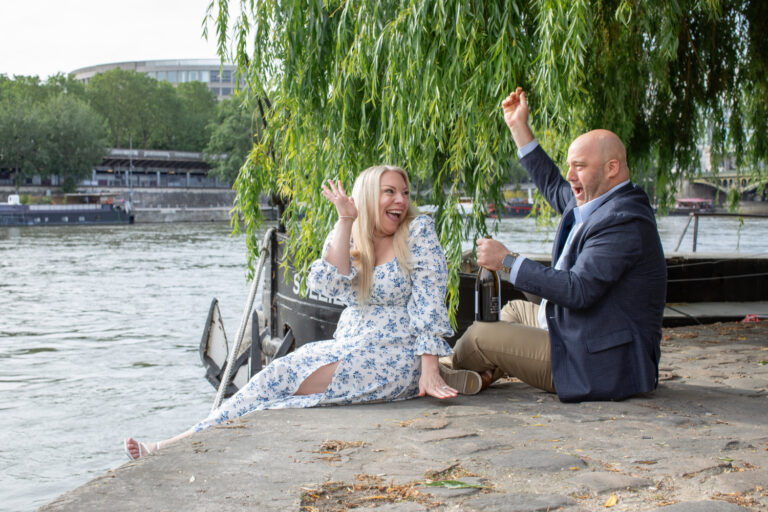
(419, 83)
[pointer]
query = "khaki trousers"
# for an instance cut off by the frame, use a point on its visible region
(515, 346)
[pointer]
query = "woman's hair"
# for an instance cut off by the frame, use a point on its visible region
(366, 193)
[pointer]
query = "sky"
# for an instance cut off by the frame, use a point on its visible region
(45, 37)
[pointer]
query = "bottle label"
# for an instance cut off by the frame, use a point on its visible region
(494, 306)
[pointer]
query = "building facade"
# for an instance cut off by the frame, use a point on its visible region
(219, 78)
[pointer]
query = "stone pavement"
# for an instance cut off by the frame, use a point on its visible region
(699, 443)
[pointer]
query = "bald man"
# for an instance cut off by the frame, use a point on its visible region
(597, 331)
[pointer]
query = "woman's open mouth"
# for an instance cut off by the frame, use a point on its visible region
(394, 214)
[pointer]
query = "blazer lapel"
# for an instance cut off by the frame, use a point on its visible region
(566, 223)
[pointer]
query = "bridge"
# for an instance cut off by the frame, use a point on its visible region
(719, 185)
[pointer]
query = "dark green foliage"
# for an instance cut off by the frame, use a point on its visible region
(198, 110)
(75, 139)
(232, 137)
(48, 129)
(145, 113)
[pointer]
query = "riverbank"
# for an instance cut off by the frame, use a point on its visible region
(698, 443)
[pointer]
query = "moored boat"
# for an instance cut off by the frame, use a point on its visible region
(78, 209)
(688, 205)
(515, 207)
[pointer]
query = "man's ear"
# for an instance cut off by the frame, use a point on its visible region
(612, 168)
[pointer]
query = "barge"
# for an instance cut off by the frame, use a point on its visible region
(78, 209)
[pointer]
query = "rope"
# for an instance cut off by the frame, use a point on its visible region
(227, 378)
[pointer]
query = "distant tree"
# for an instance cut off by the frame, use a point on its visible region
(116, 96)
(66, 84)
(147, 113)
(48, 129)
(22, 138)
(160, 115)
(75, 140)
(139, 110)
(198, 110)
(24, 88)
(232, 138)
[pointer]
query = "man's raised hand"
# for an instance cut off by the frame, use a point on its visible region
(516, 116)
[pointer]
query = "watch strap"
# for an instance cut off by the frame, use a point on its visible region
(508, 261)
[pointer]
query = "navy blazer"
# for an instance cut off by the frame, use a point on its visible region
(605, 305)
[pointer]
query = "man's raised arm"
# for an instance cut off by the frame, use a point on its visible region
(516, 116)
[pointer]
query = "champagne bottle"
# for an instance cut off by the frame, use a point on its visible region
(487, 295)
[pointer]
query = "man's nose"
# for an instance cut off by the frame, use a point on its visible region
(570, 175)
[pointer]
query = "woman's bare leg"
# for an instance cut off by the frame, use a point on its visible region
(318, 381)
(137, 449)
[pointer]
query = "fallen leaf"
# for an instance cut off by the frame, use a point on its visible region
(613, 500)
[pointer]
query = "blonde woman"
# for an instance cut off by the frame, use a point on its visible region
(384, 261)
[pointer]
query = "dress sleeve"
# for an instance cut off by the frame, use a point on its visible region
(428, 313)
(326, 280)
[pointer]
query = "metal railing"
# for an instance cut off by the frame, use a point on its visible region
(695, 217)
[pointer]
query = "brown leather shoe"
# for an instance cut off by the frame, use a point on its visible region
(465, 382)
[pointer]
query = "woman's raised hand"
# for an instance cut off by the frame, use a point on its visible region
(345, 205)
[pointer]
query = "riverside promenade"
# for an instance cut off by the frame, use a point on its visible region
(698, 443)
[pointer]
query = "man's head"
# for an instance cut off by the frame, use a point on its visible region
(597, 162)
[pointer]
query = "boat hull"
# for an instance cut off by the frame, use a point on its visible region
(63, 215)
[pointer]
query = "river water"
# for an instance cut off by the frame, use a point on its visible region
(100, 330)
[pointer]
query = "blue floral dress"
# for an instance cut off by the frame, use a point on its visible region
(378, 344)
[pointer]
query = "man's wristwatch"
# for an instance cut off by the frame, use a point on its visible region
(508, 261)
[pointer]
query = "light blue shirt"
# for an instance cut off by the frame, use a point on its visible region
(580, 216)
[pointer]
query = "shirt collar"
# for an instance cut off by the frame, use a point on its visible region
(582, 213)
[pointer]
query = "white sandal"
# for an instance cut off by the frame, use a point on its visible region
(142, 451)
